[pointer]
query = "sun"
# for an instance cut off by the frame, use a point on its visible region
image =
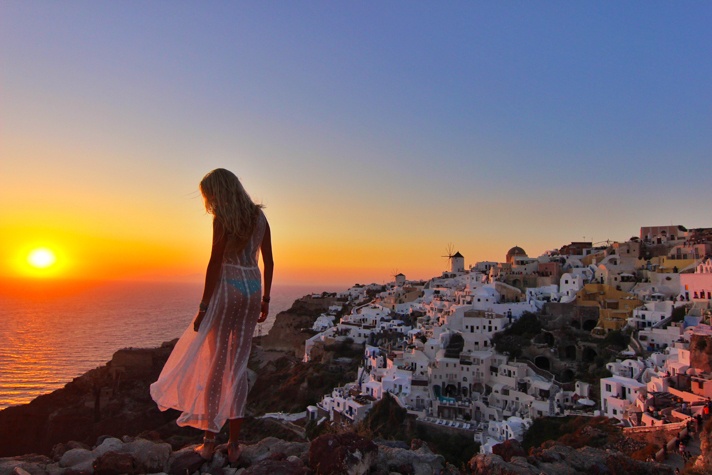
(41, 258)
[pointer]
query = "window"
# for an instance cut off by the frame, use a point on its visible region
(608, 388)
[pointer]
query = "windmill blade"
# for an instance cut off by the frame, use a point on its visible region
(449, 251)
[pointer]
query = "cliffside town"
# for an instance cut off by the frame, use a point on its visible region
(587, 359)
(623, 332)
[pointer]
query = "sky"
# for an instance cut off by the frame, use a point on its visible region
(375, 133)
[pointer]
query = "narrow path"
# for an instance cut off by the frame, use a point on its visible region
(676, 460)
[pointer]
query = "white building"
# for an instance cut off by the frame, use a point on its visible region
(650, 314)
(620, 396)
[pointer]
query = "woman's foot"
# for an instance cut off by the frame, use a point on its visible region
(207, 448)
(233, 451)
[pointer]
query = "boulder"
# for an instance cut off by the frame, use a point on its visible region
(508, 449)
(271, 448)
(109, 444)
(274, 467)
(561, 459)
(32, 464)
(152, 457)
(59, 449)
(78, 459)
(185, 460)
(495, 465)
(114, 463)
(408, 462)
(347, 453)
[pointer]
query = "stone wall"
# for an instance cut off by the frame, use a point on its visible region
(701, 352)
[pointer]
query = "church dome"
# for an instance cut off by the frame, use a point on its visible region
(515, 251)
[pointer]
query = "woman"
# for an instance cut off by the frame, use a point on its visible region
(206, 375)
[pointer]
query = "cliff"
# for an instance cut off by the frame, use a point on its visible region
(293, 327)
(113, 399)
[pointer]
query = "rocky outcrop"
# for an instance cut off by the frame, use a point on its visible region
(331, 454)
(109, 400)
(564, 460)
(293, 327)
(114, 400)
(704, 461)
(337, 454)
(701, 353)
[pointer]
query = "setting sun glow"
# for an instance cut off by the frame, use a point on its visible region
(41, 258)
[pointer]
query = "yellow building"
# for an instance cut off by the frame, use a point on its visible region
(614, 306)
(664, 264)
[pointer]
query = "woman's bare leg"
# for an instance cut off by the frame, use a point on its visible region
(235, 427)
(233, 446)
(207, 448)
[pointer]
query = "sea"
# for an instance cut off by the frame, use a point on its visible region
(50, 336)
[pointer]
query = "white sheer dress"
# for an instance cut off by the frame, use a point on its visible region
(205, 376)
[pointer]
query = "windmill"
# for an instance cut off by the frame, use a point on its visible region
(450, 253)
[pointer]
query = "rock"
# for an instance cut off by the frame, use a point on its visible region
(218, 462)
(409, 462)
(69, 413)
(704, 461)
(109, 444)
(277, 467)
(415, 444)
(286, 334)
(54, 469)
(20, 471)
(495, 465)
(392, 443)
(184, 460)
(152, 457)
(270, 448)
(561, 459)
(348, 453)
(508, 449)
(114, 463)
(71, 471)
(701, 352)
(78, 459)
(59, 449)
(32, 464)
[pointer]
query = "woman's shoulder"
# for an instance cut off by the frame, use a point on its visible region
(261, 214)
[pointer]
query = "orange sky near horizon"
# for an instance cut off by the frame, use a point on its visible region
(371, 144)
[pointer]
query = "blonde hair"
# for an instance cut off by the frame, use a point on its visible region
(227, 200)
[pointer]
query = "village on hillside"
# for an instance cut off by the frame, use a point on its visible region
(619, 329)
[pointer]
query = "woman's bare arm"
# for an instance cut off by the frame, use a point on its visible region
(268, 263)
(212, 274)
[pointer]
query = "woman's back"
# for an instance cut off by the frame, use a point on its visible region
(245, 254)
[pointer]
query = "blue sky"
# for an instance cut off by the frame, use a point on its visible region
(377, 130)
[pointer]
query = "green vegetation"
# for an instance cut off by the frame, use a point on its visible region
(527, 325)
(291, 386)
(387, 420)
(345, 349)
(574, 431)
(457, 449)
(617, 340)
(517, 336)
